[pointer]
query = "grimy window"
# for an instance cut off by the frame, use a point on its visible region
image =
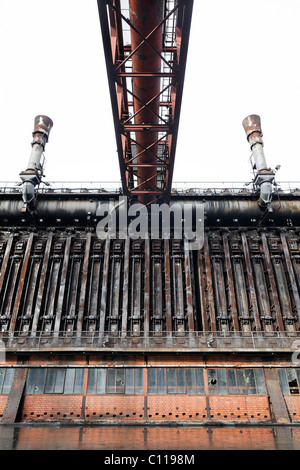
(6, 379)
(289, 381)
(54, 380)
(129, 381)
(175, 380)
(236, 381)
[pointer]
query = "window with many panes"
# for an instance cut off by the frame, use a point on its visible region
(175, 380)
(128, 381)
(54, 380)
(236, 381)
(6, 379)
(289, 381)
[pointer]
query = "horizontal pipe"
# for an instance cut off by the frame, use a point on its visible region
(231, 212)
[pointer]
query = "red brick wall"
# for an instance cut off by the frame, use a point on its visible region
(3, 400)
(114, 406)
(293, 405)
(239, 407)
(53, 407)
(185, 407)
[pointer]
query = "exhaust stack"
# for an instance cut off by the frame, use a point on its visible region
(264, 177)
(32, 176)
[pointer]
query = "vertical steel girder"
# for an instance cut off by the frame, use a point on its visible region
(146, 68)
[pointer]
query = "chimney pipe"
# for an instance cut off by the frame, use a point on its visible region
(264, 177)
(32, 176)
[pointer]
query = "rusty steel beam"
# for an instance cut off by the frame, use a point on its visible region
(209, 285)
(5, 262)
(84, 276)
(21, 283)
(202, 293)
(168, 294)
(291, 275)
(147, 288)
(125, 288)
(270, 271)
(188, 288)
(104, 287)
(253, 298)
(62, 286)
(231, 293)
(42, 284)
(157, 86)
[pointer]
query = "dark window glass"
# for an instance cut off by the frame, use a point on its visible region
(240, 380)
(221, 374)
(152, 382)
(260, 382)
(78, 385)
(161, 381)
(2, 376)
(30, 380)
(292, 381)
(283, 381)
(9, 375)
(191, 381)
(129, 387)
(172, 388)
(139, 381)
(59, 381)
(40, 380)
(120, 381)
(181, 388)
(199, 381)
(212, 381)
(92, 378)
(250, 381)
(50, 380)
(111, 381)
(69, 381)
(232, 388)
(101, 381)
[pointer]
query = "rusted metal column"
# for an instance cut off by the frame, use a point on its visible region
(231, 294)
(253, 299)
(104, 288)
(21, 283)
(145, 16)
(209, 284)
(202, 293)
(168, 288)
(291, 274)
(84, 276)
(42, 284)
(63, 281)
(147, 288)
(5, 261)
(188, 288)
(125, 288)
(272, 282)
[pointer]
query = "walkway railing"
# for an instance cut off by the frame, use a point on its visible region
(262, 341)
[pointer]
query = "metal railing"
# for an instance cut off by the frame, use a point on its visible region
(200, 340)
(178, 188)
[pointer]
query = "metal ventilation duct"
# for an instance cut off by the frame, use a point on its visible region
(33, 174)
(264, 176)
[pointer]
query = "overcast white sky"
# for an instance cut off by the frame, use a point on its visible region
(243, 59)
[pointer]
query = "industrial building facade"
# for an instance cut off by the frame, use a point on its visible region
(122, 329)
